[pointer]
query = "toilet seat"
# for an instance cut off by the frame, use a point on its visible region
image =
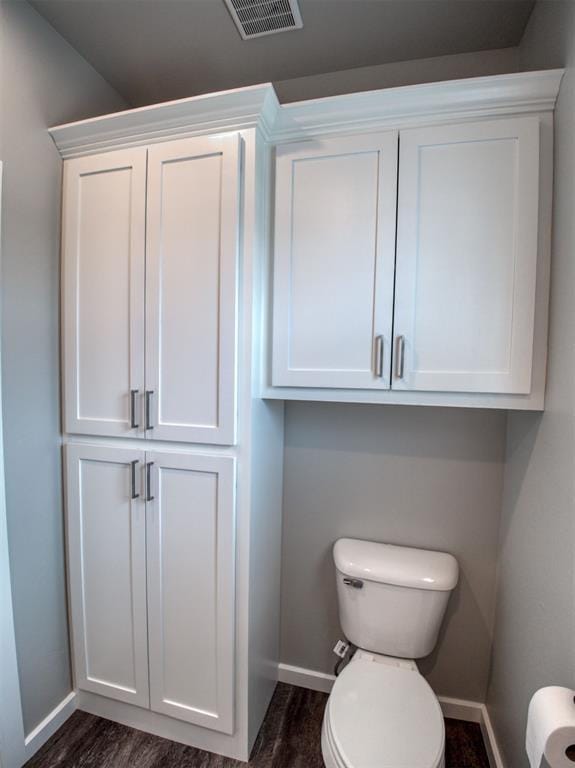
(382, 715)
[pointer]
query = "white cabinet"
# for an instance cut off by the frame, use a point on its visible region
(103, 290)
(173, 616)
(152, 254)
(192, 242)
(107, 572)
(467, 257)
(458, 285)
(334, 262)
(175, 623)
(191, 603)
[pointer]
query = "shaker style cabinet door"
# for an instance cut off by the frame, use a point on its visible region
(191, 286)
(466, 257)
(103, 242)
(191, 593)
(107, 571)
(334, 253)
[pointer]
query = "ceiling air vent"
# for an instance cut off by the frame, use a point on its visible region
(255, 18)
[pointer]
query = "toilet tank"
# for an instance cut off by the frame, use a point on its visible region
(392, 599)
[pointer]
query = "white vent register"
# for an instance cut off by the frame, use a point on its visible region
(255, 18)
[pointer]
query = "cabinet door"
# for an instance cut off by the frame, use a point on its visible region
(107, 572)
(191, 587)
(334, 262)
(103, 292)
(466, 257)
(191, 286)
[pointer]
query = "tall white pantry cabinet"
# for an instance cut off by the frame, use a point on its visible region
(197, 237)
(173, 464)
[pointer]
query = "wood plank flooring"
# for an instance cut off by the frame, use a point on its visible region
(290, 738)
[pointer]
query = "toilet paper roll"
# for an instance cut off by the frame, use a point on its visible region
(551, 728)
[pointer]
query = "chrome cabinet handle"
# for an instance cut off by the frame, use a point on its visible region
(133, 465)
(379, 356)
(133, 395)
(149, 496)
(399, 356)
(149, 393)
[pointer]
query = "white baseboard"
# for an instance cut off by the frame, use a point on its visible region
(305, 678)
(493, 753)
(461, 709)
(457, 709)
(49, 725)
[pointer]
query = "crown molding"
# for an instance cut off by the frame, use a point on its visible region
(401, 107)
(258, 106)
(224, 111)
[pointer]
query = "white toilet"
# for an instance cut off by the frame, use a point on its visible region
(381, 712)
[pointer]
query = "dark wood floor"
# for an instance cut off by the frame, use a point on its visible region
(290, 738)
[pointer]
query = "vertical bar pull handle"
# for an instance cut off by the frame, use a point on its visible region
(133, 395)
(379, 356)
(149, 393)
(149, 466)
(133, 465)
(399, 356)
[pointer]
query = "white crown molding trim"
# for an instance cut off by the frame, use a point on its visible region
(227, 111)
(48, 727)
(258, 106)
(457, 709)
(416, 104)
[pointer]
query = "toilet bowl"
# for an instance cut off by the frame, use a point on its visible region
(382, 713)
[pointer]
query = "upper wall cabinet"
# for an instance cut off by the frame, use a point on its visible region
(334, 262)
(150, 283)
(467, 257)
(458, 285)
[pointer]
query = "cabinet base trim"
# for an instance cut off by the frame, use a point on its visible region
(533, 402)
(161, 725)
(50, 724)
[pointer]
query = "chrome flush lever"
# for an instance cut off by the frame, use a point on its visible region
(355, 583)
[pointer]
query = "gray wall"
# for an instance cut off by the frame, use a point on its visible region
(43, 81)
(426, 477)
(458, 65)
(534, 642)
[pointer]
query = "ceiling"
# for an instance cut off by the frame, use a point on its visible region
(155, 50)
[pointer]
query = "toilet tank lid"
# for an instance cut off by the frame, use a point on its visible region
(400, 566)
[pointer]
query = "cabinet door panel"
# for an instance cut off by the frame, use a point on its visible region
(103, 290)
(191, 588)
(334, 262)
(107, 571)
(193, 205)
(466, 256)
